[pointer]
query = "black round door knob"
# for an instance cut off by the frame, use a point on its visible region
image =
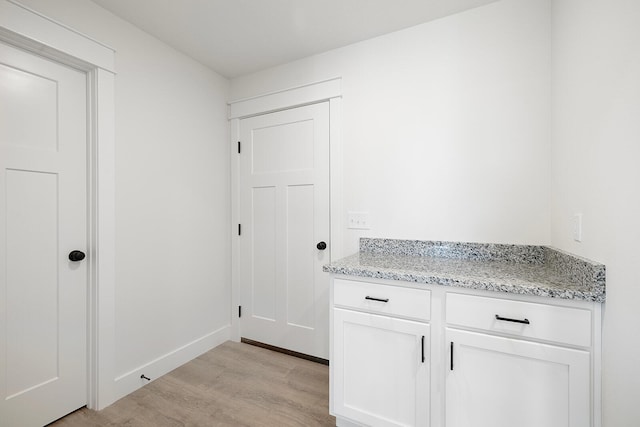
(76, 256)
(322, 246)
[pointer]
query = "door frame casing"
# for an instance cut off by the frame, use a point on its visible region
(323, 91)
(31, 31)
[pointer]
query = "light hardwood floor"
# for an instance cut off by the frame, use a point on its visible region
(234, 384)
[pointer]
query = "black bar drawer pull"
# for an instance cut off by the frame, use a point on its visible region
(423, 349)
(506, 319)
(377, 299)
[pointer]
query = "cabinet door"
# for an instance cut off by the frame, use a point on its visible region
(381, 369)
(502, 382)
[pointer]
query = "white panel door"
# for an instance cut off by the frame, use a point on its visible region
(502, 382)
(284, 213)
(43, 296)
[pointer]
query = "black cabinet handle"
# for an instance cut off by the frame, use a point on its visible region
(321, 246)
(423, 349)
(451, 356)
(506, 319)
(377, 299)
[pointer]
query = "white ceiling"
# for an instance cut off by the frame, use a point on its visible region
(237, 37)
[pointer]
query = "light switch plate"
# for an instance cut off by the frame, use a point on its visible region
(577, 227)
(358, 220)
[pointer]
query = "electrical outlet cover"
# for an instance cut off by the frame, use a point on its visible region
(358, 220)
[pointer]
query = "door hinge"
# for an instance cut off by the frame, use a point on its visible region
(239, 229)
(238, 147)
(239, 311)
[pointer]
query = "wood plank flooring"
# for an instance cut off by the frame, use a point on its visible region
(234, 384)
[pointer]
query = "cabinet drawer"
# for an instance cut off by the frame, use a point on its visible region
(390, 300)
(530, 320)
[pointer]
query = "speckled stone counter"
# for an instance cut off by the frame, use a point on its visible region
(518, 269)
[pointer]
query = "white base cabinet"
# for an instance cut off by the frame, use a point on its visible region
(380, 369)
(490, 359)
(380, 355)
(504, 382)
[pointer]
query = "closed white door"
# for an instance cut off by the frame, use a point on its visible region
(502, 382)
(380, 369)
(284, 213)
(43, 295)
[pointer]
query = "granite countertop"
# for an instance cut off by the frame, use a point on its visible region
(518, 269)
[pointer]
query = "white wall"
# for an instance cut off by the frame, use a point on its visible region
(172, 195)
(446, 126)
(596, 172)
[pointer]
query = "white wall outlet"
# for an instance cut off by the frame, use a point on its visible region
(577, 227)
(358, 220)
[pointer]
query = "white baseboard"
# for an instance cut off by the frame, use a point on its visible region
(131, 381)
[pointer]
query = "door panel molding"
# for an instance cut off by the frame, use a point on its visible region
(33, 32)
(327, 90)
